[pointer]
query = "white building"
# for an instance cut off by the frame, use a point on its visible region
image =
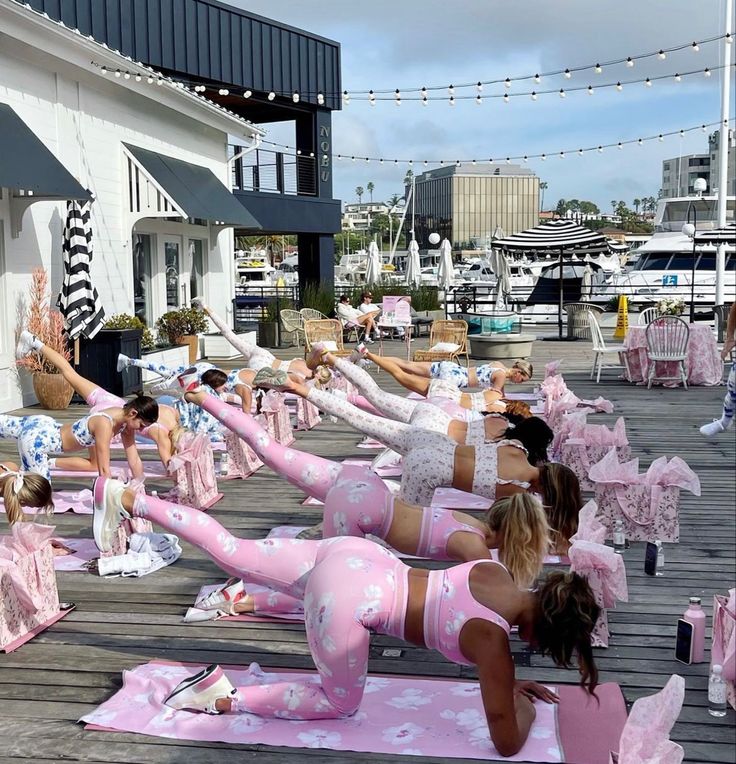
(154, 157)
(357, 217)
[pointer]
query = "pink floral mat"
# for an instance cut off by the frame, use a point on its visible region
(150, 469)
(79, 502)
(398, 715)
(85, 550)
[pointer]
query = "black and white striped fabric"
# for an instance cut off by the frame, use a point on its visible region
(725, 235)
(554, 234)
(78, 300)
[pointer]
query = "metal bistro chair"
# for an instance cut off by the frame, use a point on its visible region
(293, 323)
(667, 340)
(451, 331)
(647, 316)
(325, 330)
(600, 350)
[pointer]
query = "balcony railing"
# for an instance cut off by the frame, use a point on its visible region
(275, 172)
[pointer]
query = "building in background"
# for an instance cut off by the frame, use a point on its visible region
(358, 217)
(680, 173)
(466, 204)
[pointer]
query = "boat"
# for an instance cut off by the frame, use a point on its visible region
(665, 264)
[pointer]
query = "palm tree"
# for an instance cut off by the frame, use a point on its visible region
(613, 205)
(408, 177)
(637, 204)
(369, 186)
(393, 200)
(359, 193)
(543, 186)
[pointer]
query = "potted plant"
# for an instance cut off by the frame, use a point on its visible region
(268, 325)
(181, 327)
(51, 389)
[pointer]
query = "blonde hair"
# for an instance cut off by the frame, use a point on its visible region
(179, 437)
(524, 367)
(524, 536)
(35, 491)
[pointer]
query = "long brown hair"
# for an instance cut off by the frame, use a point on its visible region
(564, 620)
(523, 535)
(35, 491)
(562, 498)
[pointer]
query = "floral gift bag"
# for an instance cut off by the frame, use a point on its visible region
(647, 504)
(723, 651)
(242, 460)
(28, 593)
(276, 418)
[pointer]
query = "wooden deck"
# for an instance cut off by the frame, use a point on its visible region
(67, 671)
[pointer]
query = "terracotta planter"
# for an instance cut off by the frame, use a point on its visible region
(53, 391)
(192, 342)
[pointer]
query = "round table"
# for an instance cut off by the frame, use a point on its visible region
(703, 364)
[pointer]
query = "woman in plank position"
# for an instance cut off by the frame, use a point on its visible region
(350, 587)
(39, 436)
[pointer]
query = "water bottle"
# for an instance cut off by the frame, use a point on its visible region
(619, 537)
(716, 692)
(695, 615)
(659, 571)
(224, 462)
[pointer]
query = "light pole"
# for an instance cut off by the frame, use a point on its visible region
(689, 230)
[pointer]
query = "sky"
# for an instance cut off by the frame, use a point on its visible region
(387, 44)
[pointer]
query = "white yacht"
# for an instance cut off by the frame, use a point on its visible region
(664, 267)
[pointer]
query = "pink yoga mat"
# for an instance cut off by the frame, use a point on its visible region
(451, 498)
(392, 471)
(150, 469)
(28, 636)
(85, 550)
(79, 502)
(398, 715)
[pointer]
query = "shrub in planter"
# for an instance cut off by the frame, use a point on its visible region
(181, 327)
(126, 321)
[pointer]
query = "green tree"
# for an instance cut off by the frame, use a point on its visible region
(637, 204)
(379, 224)
(622, 210)
(370, 188)
(589, 208)
(561, 208)
(543, 186)
(408, 177)
(613, 205)
(393, 200)
(359, 191)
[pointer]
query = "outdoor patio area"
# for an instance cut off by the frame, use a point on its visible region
(119, 623)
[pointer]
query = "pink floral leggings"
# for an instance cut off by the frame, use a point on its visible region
(349, 586)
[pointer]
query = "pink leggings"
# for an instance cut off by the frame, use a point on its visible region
(349, 586)
(255, 357)
(312, 474)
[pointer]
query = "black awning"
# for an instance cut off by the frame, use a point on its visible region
(194, 189)
(27, 165)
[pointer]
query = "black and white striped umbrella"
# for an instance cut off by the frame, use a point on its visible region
(554, 234)
(717, 236)
(78, 300)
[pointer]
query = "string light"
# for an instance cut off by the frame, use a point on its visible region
(598, 69)
(568, 74)
(662, 55)
(479, 87)
(451, 90)
(590, 90)
(103, 69)
(619, 87)
(452, 100)
(397, 97)
(580, 152)
(478, 100)
(660, 137)
(138, 78)
(640, 142)
(223, 91)
(695, 47)
(648, 82)
(118, 73)
(249, 93)
(126, 75)
(537, 79)
(600, 149)
(320, 97)
(534, 95)
(272, 95)
(562, 93)
(372, 98)
(295, 97)
(677, 77)
(706, 73)
(507, 83)
(425, 100)
(629, 62)
(506, 98)
(150, 80)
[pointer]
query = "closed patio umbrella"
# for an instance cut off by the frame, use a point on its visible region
(562, 236)
(78, 300)
(373, 269)
(586, 288)
(500, 267)
(445, 271)
(413, 265)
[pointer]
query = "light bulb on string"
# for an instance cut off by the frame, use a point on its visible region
(507, 83)
(525, 158)
(590, 90)
(677, 77)
(640, 142)
(150, 80)
(479, 87)
(452, 100)
(534, 95)
(682, 133)
(423, 92)
(562, 93)
(660, 137)
(367, 160)
(295, 97)
(662, 54)
(397, 97)
(562, 154)
(372, 98)
(729, 38)
(629, 61)
(598, 69)
(320, 98)
(600, 149)
(345, 97)
(352, 159)
(138, 78)
(619, 87)
(271, 96)
(568, 74)
(425, 101)
(103, 69)
(537, 79)
(425, 163)
(620, 145)
(543, 157)
(648, 82)
(505, 97)
(508, 160)
(223, 91)
(473, 163)
(118, 73)
(478, 100)
(704, 128)
(396, 161)
(451, 90)
(160, 81)
(380, 161)
(706, 73)
(126, 75)
(580, 152)
(695, 47)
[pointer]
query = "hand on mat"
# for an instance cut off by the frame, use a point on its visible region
(534, 690)
(59, 548)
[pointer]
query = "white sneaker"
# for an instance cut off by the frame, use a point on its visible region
(223, 598)
(168, 386)
(108, 511)
(198, 302)
(131, 562)
(196, 615)
(123, 362)
(713, 428)
(189, 380)
(368, 340)
(201, 691)
(27, 342)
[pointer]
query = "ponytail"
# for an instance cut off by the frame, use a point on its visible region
(24, 489)
(523, 536)
(562, 500)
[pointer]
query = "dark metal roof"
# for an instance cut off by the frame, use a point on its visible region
(27, 165)
(210, 41)
(194, 188)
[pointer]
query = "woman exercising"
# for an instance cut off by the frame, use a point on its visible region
(23, 489)
(350, 587)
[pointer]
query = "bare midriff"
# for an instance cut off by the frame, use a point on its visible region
(458, 431)
(414, 621)
(464, 468)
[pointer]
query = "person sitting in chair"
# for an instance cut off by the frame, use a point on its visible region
(353, 316)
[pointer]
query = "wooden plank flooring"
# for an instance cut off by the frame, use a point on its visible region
(50, 682)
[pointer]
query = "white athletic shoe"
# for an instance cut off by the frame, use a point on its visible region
(123, 362)
(368, 339)
(108, 511)
(197, 615)
(189, 380)
(198, 303)
(201, 691)
(27, 342)
(223, 598)
(714, 428)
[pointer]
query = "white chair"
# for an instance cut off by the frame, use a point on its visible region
(600, 350)
(667, 340)
(647, 316)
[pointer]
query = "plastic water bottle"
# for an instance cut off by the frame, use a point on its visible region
(224, 462)
(619, 537)
(716, 692)
(695, 615)
(659, 570)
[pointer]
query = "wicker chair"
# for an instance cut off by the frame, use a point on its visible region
(446, 330)
(310, 314)
(293, 323)
(325, 330)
